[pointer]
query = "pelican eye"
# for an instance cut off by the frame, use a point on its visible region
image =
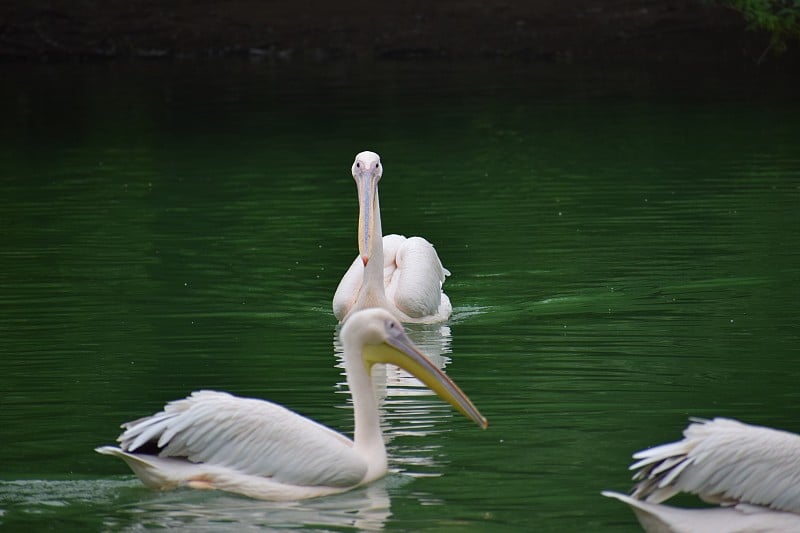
(358, 165)
(377, 165)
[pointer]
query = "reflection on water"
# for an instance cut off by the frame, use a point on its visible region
(137, 509)
(365, 509)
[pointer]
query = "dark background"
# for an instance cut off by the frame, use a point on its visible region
(577, 31)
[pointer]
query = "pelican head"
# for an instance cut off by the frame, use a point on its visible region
(385, 342)
(367, 172)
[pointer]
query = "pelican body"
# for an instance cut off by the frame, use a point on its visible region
(753, 472)
(402, 275)
(213, 440)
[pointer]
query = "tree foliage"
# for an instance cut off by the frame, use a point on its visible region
(781, 18)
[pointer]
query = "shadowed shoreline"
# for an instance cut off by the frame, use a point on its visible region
(581, 32)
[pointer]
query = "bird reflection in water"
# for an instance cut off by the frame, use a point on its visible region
(363, 509)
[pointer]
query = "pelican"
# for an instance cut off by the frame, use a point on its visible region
(213, 440)
(402, 275)
(752, 471)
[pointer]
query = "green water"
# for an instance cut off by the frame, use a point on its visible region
(623, 249)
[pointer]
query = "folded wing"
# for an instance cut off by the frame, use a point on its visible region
(416, 283)
(724, 461)
(249, 436)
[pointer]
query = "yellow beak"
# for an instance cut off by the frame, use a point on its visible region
(400, 351)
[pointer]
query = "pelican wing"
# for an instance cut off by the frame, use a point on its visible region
(416, 284)
(724, 460)
(249, 436)
(413, 277)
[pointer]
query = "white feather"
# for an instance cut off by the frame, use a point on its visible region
(286, 446)
(726, 460)
(413, 276)
(753, 470)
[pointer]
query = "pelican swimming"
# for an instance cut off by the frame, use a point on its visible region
(403, 275)
(752, 471)
(213, 440)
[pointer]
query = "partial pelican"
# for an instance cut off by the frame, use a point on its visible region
(212, 440)
(402, 275)
(752, 471)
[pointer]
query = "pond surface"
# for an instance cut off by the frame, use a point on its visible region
(624, 249)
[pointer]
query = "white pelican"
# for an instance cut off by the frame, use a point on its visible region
(752, 471)
(212, 440)
(403, 275)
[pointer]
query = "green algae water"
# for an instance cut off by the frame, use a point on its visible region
(624, 255)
